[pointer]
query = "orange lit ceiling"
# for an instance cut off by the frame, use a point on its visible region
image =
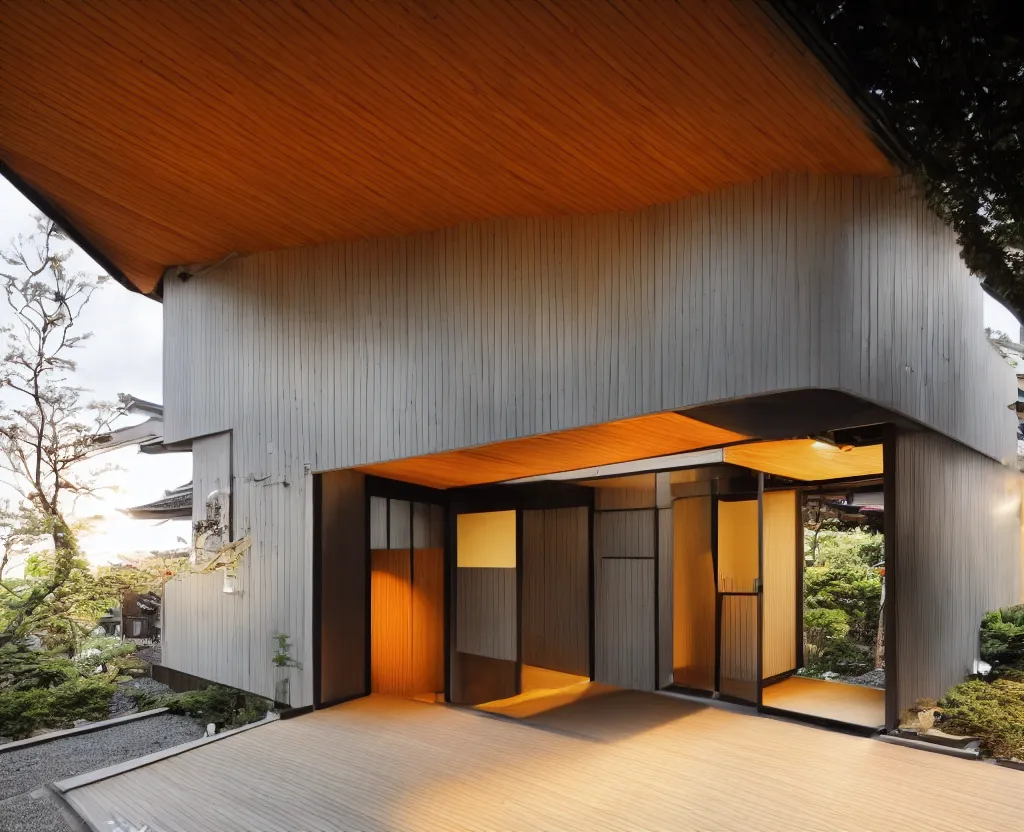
(807, 459)
(169, 133)
(622, 441)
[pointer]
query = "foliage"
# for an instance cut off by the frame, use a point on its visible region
(838, 548)
(107, 654)
(842, 598)
(24, 669)
(225, 707)
(950, 78)
(828, 647)
(47, 427)
(992, 711)
(25, 711)
(824, 625)
(856, 592)
(283, 652)
(1002, 638)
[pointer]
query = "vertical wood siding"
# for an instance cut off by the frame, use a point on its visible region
(486, 612)
(624, 575)
(428, 620)
(739, 646)
(624, 534)
(391, 666)
(211, 471)
(666, 556)
(957, 555)
(556, 616)
(211, 641)
(624, 653)
(360, 352)
(781, 533)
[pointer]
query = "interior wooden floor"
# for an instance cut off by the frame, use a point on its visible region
(622, 761)
(853, 704)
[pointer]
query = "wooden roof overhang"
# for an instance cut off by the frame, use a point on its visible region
(641, 437)
(654, 437)
(162, 134)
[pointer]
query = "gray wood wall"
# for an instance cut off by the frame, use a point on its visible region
(556, 590)
(624, 589)
(485, 622)
(957, 555)
(331, 356)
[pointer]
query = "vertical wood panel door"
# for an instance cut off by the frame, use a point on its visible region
(782, 536)
(693, 585)
(391, 614)
(406, 599)
(739, 647)
(555, 605)
(624, 551)
(428, 621)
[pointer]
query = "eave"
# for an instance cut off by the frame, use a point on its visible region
(170, 134)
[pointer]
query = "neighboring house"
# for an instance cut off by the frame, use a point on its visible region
(510, 335)
(148, 436)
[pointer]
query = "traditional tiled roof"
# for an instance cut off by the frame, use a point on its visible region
(176, 504)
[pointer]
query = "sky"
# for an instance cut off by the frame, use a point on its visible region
(123, 356)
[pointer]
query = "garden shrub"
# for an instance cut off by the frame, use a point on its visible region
(1002, 638)
(992, 711)
(839, 548)
(225, 707)
(857, 592)
(24, 669)
(842, 599)
(829, 648)
(25, 711)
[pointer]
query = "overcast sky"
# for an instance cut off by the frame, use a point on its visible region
(124, 357)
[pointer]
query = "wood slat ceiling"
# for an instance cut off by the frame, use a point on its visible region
(628, 439)
(172, 133)
(806, 459)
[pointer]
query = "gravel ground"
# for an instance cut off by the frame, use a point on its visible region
(122, 703)
(23, 771)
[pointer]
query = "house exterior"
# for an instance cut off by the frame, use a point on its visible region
(510, 334)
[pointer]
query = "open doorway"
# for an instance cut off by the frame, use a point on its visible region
(842, 677)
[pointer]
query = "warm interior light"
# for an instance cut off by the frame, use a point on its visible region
(818, 445)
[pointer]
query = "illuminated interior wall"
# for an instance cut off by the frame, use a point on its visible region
(487, 540)
(406, 598)
(693, 587)
(782, 533)
(737, 545)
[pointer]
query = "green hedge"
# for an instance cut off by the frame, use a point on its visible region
(24, 711)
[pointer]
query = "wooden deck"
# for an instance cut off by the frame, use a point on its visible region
(622, 761)
(854, 704)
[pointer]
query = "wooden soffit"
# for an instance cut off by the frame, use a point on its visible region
(621, 441)
(807, 459)
(171, 133)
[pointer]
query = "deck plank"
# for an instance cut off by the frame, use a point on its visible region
(624, 760)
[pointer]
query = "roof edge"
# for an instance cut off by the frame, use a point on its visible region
(69, 228)
(790, 14)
